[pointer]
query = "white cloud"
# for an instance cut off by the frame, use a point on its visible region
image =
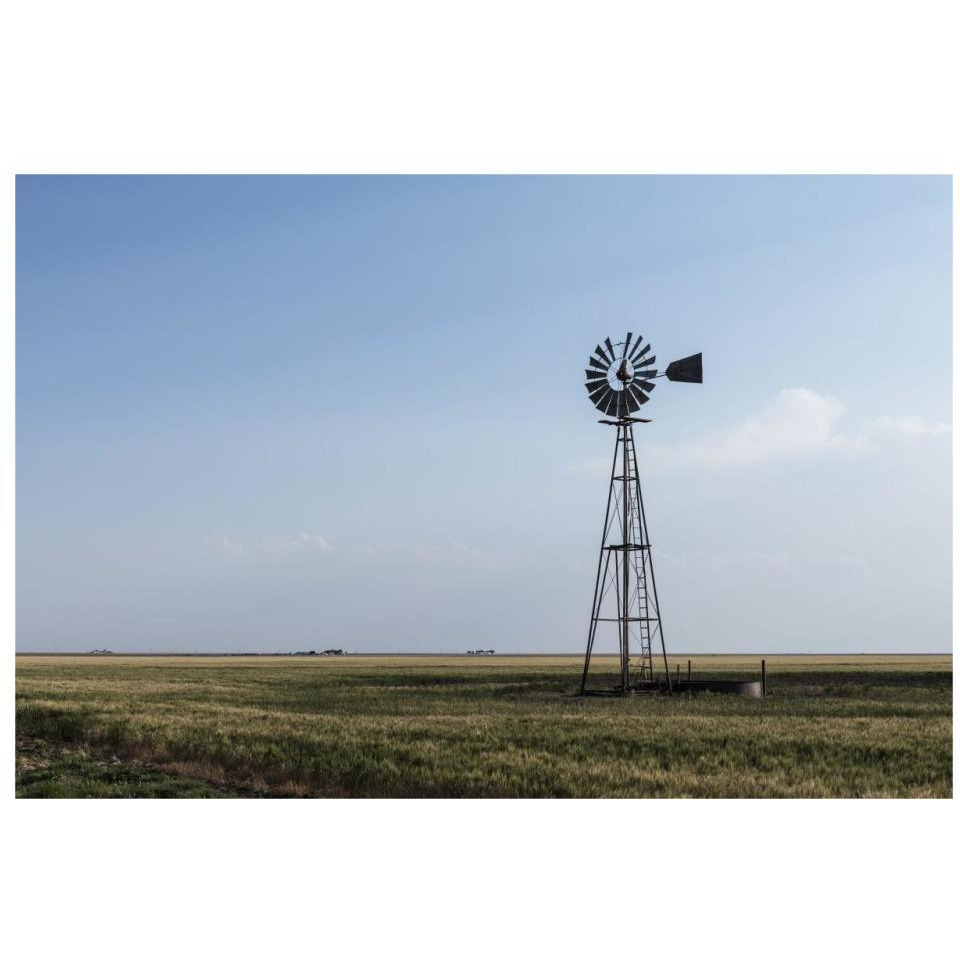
(443, 554)
(701, 564)
(908, 427)
(301, 543)
(309, 541)
(797, 423)
(225, 545)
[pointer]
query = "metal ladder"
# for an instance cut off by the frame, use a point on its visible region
(640, 564)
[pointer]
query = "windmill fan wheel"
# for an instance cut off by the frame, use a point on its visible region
(619, 377)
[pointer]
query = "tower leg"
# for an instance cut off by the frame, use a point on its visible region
(625, 607)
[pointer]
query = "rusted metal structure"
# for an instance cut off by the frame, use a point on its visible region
(620, 379)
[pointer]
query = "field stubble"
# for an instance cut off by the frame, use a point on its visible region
(494, 727)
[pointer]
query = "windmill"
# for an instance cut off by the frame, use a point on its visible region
(620, 379)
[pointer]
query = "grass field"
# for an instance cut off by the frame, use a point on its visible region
(846, 726)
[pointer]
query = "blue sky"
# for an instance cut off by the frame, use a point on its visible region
(297, 412)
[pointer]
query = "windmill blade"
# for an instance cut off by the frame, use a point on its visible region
(633, 403)
(645, 385)
(603, 400)
(595, 374)
(601, 397)
(596, 364)
(687, 370)
(602, 354)
(626, 343)
(613, 404)
(638, 394)
(645, 363)
(636, 355)
(594, 385)
(610, 350)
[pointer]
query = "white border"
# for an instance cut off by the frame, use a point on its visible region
(499, 87)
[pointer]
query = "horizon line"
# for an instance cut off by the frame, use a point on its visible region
(426, 653)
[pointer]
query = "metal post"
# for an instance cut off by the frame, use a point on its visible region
(763, 678)
(688, 671)
(625, 648)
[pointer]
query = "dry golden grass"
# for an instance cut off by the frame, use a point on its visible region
(501, 725)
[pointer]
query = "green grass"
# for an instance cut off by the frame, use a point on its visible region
(49, 770)
(492, 727)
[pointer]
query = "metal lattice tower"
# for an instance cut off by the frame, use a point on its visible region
(620, 380)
